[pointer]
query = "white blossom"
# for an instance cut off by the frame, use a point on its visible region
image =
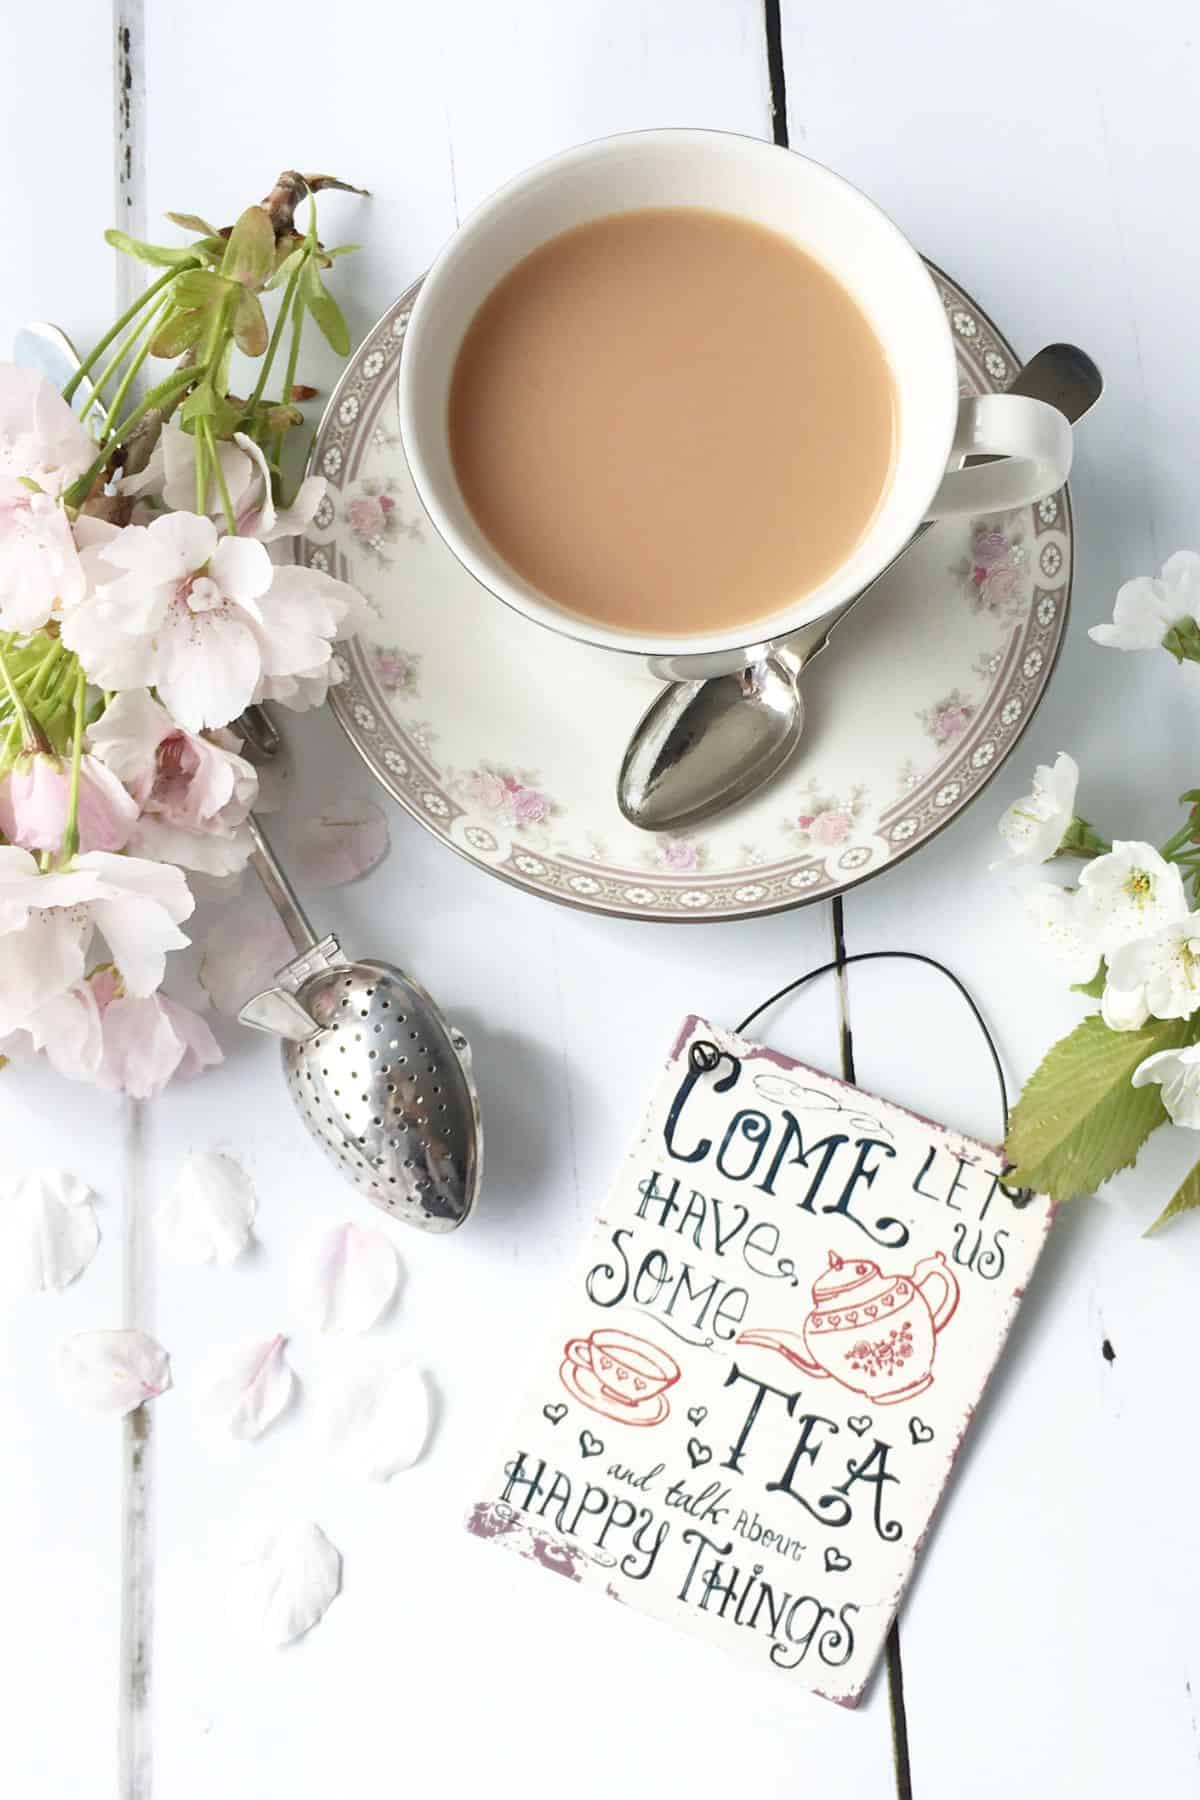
(1130, 893)
(1148, 606)
(1065, 930)
(1034, 827)
(1177, 1073)
(1164, 967)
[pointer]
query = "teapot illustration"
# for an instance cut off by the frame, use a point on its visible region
(876, 1334)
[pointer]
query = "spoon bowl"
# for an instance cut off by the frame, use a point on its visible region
(704, 745)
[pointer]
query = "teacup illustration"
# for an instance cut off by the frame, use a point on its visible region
(620, 1375)
(875, 1334)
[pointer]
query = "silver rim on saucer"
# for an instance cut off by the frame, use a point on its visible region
(987, 363)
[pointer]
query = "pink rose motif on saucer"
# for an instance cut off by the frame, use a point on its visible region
(827, 821)
(395, 670)
(512, 796)
(948, 717)
(679, 856)
(619, 1375)
(994, 572)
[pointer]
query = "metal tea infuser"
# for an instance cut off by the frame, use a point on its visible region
(380, 1079)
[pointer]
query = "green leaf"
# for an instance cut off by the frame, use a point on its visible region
(200, 287)
(205, 403)
(162, 255)
(178, 333)
(342, 250)
(1079, 1120)
(1185, 1199)
(1094, 988)
(250, 252)
(324, 309)
(192, 222)
(250, 332)
(1183, 640)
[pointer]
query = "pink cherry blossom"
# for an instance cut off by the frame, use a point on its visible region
(170, 477)
(48, 920)
(132, 1044)
(341, 842)
(43, 448)
(194, 793)
(149, 1040)
(34, 802)
(832, 827)
(209, 621)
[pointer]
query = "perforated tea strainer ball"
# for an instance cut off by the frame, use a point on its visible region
(380, 1079)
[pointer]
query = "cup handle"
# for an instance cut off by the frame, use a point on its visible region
(1032, 441)
(579, 1352)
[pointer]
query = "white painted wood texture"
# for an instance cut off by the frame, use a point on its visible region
(1049, 159)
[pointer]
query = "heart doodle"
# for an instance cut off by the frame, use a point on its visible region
(697, 1415)
(699, 1453)
(591, 1446)
(556, 1413)
(835, 1561)
(859, 1423)
(919, 1431)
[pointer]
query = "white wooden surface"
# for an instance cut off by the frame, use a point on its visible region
(1047, 153)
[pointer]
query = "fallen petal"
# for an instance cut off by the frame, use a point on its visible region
(340, 843)
(251, 1385)
(48, 1232)
(241, 957)
(114, 1371)
(283, 1582)
(377, 1419)
(346, 1278)
(206, 1216)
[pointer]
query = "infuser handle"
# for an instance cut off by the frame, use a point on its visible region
(280, 891)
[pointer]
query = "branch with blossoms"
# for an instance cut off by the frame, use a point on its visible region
(144, 605)
(1125, 933)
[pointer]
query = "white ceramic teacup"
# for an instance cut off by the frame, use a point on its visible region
(833, 222)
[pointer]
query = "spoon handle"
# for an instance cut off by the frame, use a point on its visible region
(810, 640)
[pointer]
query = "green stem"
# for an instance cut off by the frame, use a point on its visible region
(166, 392)
(21, 714)
(44, 668)
(96, 397)
(70, 843)
(130, 375)
(285, 306)
(289, 378)
(143, 299)
(222, 484)
(200, 453)
(1181, 837)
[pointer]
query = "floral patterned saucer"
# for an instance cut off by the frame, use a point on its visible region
(505, 741)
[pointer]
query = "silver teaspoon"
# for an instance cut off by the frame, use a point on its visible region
(703, 745)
